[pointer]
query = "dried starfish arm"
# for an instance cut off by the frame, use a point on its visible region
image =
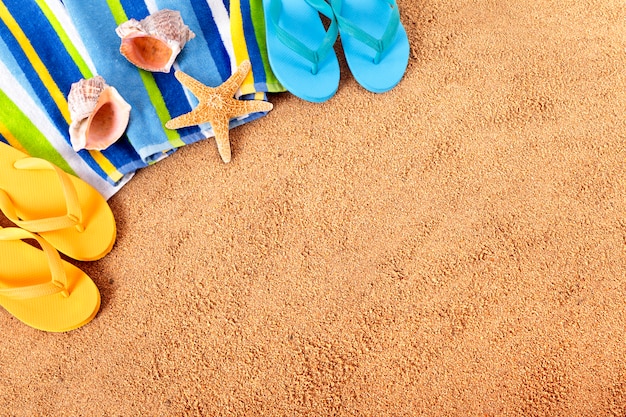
(185, 120)
(232, 84)
(195, 86)
(250, 106)
(220, 129)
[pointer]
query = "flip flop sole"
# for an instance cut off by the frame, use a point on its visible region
(372, 17)
(22, 265)
(290, 68)
(37, 194)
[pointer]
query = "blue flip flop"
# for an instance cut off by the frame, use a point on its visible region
(300, 49)
(374, 41)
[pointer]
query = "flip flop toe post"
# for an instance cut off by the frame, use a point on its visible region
(39, 288)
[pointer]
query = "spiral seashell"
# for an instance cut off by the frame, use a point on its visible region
(99, 114)
(154, 42)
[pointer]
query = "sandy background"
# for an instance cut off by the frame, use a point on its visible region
(455, 247)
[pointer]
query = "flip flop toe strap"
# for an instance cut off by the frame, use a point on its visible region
(314, 56)
(58, 282)
(73, 217)
(378, 44)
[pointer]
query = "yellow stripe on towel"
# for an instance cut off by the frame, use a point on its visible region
(65, 39)
(239, 44)
(6, 133)
(106, 165)
(35, 61)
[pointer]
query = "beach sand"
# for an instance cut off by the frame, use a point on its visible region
(454, 247)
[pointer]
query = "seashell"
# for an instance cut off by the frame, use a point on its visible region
(99, 114)
(154, 42)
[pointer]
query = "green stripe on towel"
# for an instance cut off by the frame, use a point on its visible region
(13, 124)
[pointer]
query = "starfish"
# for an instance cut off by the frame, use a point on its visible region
(218, 106)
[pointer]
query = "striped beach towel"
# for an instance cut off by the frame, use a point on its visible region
(45, 45)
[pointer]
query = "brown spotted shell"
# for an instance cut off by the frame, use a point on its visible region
(99, 114)
(154, 43)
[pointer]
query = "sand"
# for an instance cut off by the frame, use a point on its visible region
(454, 247)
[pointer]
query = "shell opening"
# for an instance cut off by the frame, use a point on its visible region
(100, 127)
(147, 52)
(108, 121)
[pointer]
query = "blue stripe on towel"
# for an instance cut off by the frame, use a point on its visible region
(14, 68)
(123, 156)
(208, 27)
(46, 42)
(32, 77)
(254, 53)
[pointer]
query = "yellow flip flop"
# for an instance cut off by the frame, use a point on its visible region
(69, 213)
(39, 288)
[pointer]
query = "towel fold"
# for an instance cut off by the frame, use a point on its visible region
(46, 45)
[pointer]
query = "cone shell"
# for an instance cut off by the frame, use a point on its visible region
(154, 42)
(99, 114)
